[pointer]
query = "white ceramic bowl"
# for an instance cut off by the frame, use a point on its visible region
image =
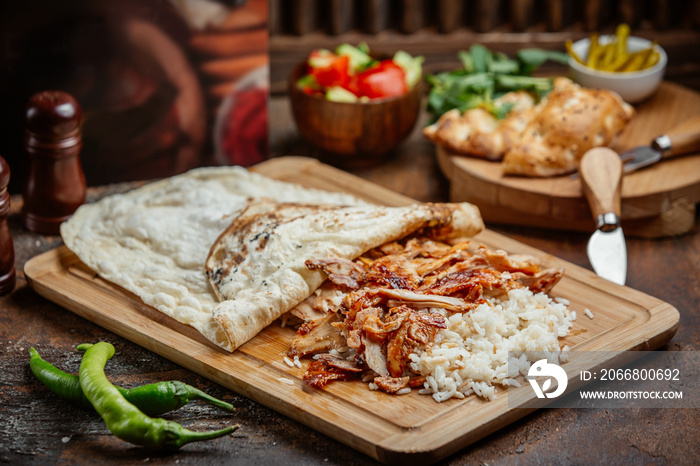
(633, 86)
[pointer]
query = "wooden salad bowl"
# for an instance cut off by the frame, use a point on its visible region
(353, 134)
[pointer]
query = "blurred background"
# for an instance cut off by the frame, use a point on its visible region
(438, 29)
(165, 86)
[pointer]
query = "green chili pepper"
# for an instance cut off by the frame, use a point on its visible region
(162, 397)
(152, 399)
(65, 385)
(125, 420)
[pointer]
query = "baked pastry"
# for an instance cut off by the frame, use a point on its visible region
(567, 123)
(544, 139)
(478, 133)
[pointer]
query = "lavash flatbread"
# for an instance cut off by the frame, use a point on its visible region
(257, 266)
(154, 241)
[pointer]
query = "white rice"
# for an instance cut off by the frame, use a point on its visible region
(285, 380)
(588, 313)
(564, 355)
(288, 361)
(471, 354)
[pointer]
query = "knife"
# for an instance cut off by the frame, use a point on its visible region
(679, 140)
(601, 176)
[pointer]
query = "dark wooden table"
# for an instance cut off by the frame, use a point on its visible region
(37, 428)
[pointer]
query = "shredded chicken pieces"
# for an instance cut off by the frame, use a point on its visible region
(372, 313)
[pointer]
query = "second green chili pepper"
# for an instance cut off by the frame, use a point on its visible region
(123, 419)
(152, 399)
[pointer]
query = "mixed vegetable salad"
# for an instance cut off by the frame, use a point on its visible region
(350, 74)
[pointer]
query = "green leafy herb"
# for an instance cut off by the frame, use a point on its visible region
(531, 59)
(485, 76)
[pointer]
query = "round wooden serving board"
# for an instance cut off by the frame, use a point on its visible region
(657, 201)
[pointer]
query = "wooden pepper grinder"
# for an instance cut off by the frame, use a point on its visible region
(55, 185)
(7, 250)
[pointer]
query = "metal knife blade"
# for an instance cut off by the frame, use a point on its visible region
(601, 176)
(634, 159)
(679, 140)
(682, 139)
(607, 253)
(639, 157)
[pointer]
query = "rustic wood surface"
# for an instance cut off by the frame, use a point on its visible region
(36, 428)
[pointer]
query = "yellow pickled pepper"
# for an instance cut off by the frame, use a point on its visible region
(641, 60)
(614, 56)
(594, 51)
(622, 33)
(607, 57)
(634, 61)
(652, 57)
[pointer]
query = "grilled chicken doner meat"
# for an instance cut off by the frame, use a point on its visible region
(394, 302)
(417, 329)
(321, 372)
(342, 272)
(391, 384)
(315, 337)
(423, 301)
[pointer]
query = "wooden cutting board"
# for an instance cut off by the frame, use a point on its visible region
(392, 429)
(656, 202)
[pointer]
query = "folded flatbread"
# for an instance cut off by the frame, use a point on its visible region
(257, 267)
(155, 242)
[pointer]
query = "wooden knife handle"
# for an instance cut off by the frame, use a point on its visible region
(601, 180)
(683, 139)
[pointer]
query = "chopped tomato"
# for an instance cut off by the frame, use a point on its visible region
(353, 85)
(335, 74)
(348, 68)
(384, 80)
